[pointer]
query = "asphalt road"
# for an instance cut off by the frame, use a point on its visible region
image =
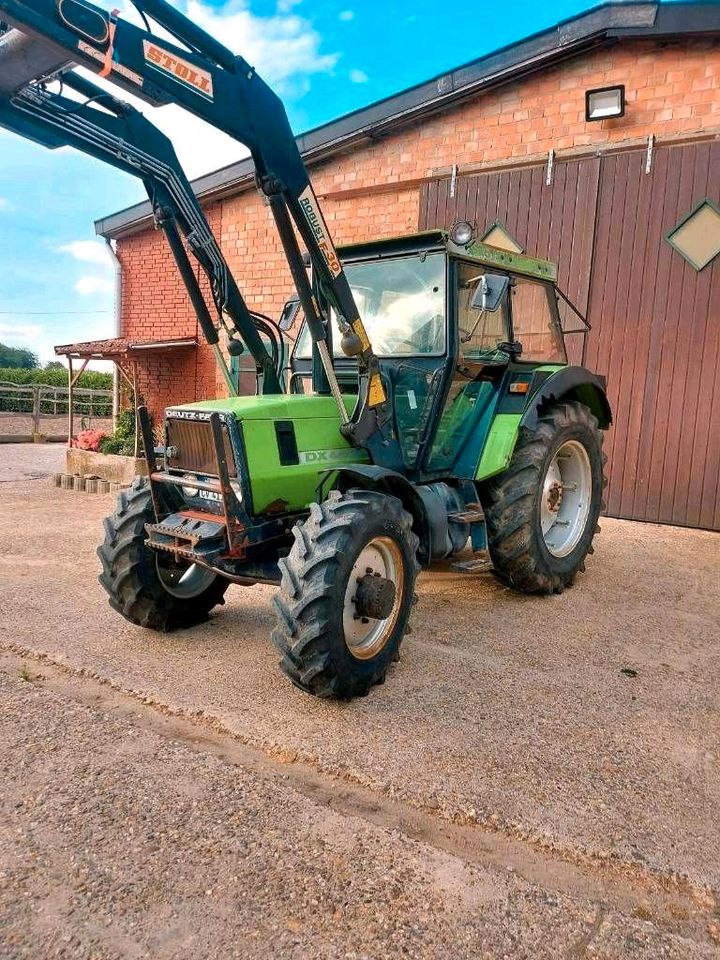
(563, 753)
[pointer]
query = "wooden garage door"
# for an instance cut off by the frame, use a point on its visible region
(656, 336)
(656, 321)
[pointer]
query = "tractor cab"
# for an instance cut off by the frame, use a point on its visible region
(459, 331)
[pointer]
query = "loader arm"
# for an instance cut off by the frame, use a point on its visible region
(207, 79)
(113, 131)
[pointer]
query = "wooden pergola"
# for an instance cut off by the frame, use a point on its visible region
(125, 354)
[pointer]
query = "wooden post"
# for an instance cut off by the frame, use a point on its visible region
(72, 380)
(36, 409)
(135, 402)
(70, 401)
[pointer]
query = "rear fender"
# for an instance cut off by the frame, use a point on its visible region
(570, 383)
(567, 383)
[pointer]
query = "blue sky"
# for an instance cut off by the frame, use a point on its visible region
(324, 59)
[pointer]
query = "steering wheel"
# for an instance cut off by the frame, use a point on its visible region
(491, 356)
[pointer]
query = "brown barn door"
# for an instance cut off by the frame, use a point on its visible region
(555, 221)
(656, 336)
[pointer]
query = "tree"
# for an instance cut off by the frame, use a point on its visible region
(18, 357)
(55, 365)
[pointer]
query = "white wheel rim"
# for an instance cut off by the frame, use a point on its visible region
(365, 637)
(566, 498)
(185, 583)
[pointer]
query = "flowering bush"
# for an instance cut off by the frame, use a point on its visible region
(89, 439)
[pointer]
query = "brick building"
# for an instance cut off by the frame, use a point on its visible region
(506, 139)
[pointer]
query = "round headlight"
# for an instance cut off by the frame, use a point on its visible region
(189, 491)
(462, 233)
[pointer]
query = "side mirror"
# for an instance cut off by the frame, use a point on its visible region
(490, 291)
(289, 314)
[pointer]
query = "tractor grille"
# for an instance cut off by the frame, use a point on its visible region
(193, 441)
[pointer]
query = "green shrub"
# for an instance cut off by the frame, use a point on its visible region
(123, 440)
(117, 445)
(91, 379)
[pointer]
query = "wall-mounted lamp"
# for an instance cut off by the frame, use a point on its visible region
(605, 103)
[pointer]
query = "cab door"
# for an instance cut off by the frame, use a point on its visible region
(476, 378)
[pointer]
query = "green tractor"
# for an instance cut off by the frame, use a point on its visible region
(501, 466)
(428, 404)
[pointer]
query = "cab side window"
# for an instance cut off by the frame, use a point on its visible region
(535, 323)
(480, 332)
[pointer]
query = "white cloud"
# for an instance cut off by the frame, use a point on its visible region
(346, 15)
(358, 76)
(87, 251)
(89, 285)
(19, 334)
(4, 203)
(92, 252)
(280, 47)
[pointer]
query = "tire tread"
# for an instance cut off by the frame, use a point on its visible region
(303, 634)
(133, 588)
(509, 503)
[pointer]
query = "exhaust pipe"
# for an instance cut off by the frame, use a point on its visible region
(23, 59)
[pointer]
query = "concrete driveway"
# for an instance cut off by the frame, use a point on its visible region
(571, 744)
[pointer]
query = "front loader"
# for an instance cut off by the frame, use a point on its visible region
(429, 413)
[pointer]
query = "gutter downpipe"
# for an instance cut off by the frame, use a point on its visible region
(117, 315)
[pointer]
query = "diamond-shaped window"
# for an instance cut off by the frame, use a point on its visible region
(697, 236)
(497, 236)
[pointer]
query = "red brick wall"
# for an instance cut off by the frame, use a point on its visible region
(155, 306)
(671, 90)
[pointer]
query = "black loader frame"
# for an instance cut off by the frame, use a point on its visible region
(207, 79)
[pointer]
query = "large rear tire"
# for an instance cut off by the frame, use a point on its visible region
(542, 512)
(348, 586)
(150, 589)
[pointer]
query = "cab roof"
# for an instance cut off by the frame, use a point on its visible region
(431, 241)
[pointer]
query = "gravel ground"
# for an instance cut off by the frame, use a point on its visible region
(508, 713)
(121, 843)
(30, 461)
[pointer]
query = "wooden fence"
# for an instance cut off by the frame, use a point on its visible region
(38, 402)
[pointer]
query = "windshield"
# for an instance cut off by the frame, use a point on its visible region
(402, 305)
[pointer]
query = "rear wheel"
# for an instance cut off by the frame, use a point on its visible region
(152, 589)
(346, 595)
(542, 512)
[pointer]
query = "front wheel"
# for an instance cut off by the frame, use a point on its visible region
(151, 589)
(347, 591)
(542, 512)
